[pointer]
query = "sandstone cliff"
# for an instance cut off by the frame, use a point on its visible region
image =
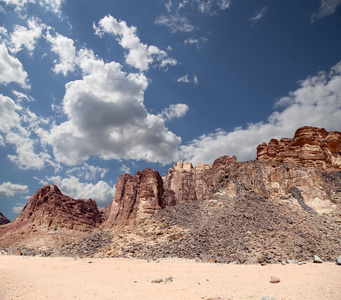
(48, 207)
(136, 198)
(3, 219)
(310, 147)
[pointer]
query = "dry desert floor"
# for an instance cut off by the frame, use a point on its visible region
(67, 278)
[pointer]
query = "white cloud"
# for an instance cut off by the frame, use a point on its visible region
(17, 129)
(11, 69)
(327, 8)
(175, 111)
(26, 36)
(49, 5)
(259, 14)
(125, 169)
(224, 4)
(101, 191)
(8, 189)
(87, 171)
(139, 55)
(184, 79)
(316, 102)
(175, 23)
(106, 117)
(66, 51)
(18, 207)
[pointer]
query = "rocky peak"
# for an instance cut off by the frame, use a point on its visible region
(136, 198)
(310, 147)
(3, 219)
(49, 207)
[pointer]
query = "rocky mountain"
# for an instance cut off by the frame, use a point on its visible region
(3, 219)
(284, 204)
(50, 208)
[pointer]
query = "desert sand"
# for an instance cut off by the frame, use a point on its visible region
(68, 278)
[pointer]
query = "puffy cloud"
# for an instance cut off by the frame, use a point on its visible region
(327, 8)
(17, 129)
(139, 55)
(106, 117)
(11, 69)
(175, 23)
(8, 189)
(206, 6)
(26, 36)
(175, 111)
(66, 50)
(101, 191)
(316, 102)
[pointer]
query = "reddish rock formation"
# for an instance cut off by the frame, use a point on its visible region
(136, 198)
(48, 207)
(310, 147)
(3, 219)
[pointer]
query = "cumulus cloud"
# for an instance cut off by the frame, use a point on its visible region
(175, 23)
(8, 189)
(17, 129)
(107, 117)
(327, 8)
(316, 102)
(125, 169)
(11, 69)
(66, 51)
(175, 111)
(139, 55)
(26, 36)
(101, 191)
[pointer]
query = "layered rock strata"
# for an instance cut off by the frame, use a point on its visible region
(310, 147)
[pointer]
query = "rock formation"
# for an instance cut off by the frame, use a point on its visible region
(310, 147)
(136, 198)
(3, 219)
(48, 207)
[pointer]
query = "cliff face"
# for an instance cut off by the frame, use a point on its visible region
(3, 219)
(310, 147)
(49, 207)
(136, 198)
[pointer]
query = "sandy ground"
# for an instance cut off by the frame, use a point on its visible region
(66, 278)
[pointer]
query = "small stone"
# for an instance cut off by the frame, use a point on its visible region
(169, 279)
(317, 260)
(302, 263)
(90, 262)
(268, 298)
(338, 260)
(274, 279)
(158, 280)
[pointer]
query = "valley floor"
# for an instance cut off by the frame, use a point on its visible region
(95, 278)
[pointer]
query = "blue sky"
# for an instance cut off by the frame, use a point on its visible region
(92, 89)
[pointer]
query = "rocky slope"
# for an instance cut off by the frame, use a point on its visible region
(3, 219)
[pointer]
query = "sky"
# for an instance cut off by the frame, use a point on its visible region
(93, 89)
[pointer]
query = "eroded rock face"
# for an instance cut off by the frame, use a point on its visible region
(310, 147)
(48, 207)
(3, 219)
(136, 198)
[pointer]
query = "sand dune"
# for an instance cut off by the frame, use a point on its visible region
(66, 278)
